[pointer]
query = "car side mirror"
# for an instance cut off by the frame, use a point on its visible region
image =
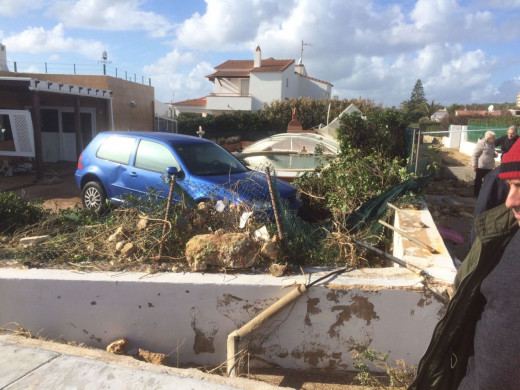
(172, 171)
(179, 174)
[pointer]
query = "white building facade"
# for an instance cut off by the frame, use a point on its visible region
(245, 85)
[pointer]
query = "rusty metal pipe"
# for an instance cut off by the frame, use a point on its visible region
(234, 337)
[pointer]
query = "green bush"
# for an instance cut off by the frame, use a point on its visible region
(383, 132)
(16, 213)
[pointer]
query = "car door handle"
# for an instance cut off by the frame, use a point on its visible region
(133, 174)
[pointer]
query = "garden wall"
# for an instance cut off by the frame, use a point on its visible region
(189, 316)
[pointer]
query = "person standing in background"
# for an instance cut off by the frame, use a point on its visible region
(507, 141)
(483, 159)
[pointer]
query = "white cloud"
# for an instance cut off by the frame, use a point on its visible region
(39, 40)
(501, 4)
(231, 25)
(113, 15)
(168, 75)
(13, 8)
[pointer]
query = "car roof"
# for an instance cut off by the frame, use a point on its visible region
(171, 138)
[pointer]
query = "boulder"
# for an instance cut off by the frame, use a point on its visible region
(128, 249)
(118, 347)
(142, 224)
(118, 235)
(270, 249)
(229, 250)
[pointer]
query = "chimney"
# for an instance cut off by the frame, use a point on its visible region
(3, 58)
(258, 58)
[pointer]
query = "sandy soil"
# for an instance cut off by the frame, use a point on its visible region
(56, 193)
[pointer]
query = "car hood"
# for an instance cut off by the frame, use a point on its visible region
(247, 185)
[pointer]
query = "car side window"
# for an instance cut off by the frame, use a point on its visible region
(117, 149)
(153, 156)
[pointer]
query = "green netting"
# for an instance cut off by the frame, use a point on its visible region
(419, 167)
(476, 131)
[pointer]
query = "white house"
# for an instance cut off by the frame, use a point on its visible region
(245, 85)
(439, 114)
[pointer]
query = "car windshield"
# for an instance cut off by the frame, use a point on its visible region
(204, 159)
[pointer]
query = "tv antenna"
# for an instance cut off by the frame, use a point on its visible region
(104, 58)
(301, 51)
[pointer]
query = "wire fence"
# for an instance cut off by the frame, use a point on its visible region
(99, 69)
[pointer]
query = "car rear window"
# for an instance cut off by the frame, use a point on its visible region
(117, 149)
(153, 156)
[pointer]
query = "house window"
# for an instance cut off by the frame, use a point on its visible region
(287, 82)
(50, 121)
(244, 87)
(6, 134)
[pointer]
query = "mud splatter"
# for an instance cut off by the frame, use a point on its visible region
(205, 331)
(312, 309)
(361, 307)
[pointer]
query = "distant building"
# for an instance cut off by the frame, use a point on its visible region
(475, 113)
(438, 115)
(52, 117)
(245, 85)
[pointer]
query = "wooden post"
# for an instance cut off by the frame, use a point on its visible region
(77, 127)
(275, 208)
(37, 128)
(418, 151)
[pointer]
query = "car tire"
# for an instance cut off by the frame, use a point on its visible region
(93, 196)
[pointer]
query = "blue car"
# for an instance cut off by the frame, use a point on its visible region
(117, 163)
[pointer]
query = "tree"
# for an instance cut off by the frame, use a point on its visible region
(417, 105)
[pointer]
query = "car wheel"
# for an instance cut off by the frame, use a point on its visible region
(93, 196)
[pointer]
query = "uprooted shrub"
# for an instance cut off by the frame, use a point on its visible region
(16, 213)
(128, 237)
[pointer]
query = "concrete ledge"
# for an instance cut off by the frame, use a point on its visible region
(30, 364)
(190, 315)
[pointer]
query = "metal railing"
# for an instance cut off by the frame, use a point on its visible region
(82, 69)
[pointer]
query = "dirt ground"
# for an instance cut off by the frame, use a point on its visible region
(56, 193)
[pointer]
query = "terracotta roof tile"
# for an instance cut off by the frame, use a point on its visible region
(272, 65)
(233, 67)
(315, 79)
(229, 73)
(192, 102)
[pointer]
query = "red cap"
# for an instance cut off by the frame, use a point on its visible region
(510, 166)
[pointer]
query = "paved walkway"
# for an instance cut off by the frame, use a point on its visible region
(35, 364)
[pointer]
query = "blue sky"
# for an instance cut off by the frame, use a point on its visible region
(463, 51)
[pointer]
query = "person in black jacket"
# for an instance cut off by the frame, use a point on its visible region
(507, 141)
(492, 193)
(475, 345)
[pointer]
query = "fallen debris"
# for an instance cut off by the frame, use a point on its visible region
(118, 347)
(228, 250)
(34, 240)
(153, 357)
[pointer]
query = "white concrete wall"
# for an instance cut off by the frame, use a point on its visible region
(226, 103)
(190, 315)
(266, 86)
(290, 84)
(313, 89)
